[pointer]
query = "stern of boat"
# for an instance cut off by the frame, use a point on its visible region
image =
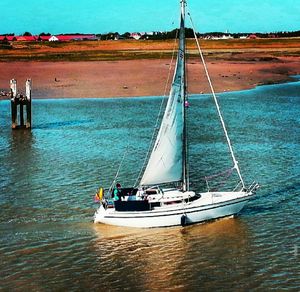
(99, 214)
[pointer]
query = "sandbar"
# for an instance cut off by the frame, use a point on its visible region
(141, 77)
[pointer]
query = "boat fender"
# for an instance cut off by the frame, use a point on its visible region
(183, 220)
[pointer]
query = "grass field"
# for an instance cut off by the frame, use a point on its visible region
(145, 49)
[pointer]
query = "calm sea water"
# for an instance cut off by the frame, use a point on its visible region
(48, 177)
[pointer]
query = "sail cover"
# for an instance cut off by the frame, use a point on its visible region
(166, 160)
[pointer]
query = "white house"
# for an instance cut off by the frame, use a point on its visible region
(53, 39)
(135, 35)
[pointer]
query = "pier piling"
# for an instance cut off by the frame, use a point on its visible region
(20, 101)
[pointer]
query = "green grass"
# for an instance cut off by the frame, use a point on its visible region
(265, 49)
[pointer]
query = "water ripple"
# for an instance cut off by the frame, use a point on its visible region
(48, 178)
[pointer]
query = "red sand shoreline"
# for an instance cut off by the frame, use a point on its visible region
(130, 78)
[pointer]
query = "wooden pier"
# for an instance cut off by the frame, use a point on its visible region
(20, 103)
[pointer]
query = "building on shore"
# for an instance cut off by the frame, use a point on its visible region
(49, 38)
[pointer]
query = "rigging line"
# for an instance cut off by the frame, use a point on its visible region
(172, 60)
(235, 162)
(119, 168)
(223, 173)
(159, 113)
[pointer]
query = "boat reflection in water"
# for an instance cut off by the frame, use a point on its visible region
(179, 258)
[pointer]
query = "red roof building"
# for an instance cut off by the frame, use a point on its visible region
(252, 36)
(44, 38)
(11, 38)
(75, 37)
(8, 38)
(26, 38)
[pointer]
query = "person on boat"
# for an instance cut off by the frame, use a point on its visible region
(117, 192)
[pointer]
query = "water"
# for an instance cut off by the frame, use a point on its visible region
(48, 178)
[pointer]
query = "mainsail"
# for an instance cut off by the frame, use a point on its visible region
(167, 160)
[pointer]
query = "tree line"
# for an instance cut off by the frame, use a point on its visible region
(190, 34)
(174, 33)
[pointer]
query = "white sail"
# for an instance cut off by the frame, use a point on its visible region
(167, 158)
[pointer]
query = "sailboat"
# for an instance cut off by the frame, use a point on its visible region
(163, 197)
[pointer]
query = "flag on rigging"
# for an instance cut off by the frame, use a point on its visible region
(99, 195)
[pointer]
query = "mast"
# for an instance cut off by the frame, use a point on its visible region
(182, 49)
(168, 160)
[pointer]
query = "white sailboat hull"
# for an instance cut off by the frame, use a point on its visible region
(210, 206)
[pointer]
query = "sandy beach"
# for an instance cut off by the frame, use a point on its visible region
(141, 77)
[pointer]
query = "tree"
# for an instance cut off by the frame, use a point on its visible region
(27, 34)
(126, 35)
(45, 34)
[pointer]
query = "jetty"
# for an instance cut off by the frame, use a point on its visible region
(20, 105)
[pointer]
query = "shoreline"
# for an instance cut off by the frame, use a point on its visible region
(143, 77)
(289, 80)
